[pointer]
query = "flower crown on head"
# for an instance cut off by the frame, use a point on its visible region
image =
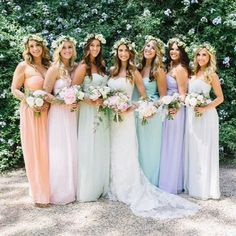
(128, 43)
(160, 44)
(99, 37)
(35, 37)
(56, 43)
(177, 41)
(206, 45)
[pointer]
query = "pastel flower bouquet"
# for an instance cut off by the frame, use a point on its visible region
(170, 103)
(117, 102)
(146, 110)
(197, 100)
(94, 93)
(70, 95)
(35, 100)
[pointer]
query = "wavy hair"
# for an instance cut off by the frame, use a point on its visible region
(57, 60)
(211, 65)
(184, 59)
(156, 63)
(30, 59)
(99, 61)
(130, 66)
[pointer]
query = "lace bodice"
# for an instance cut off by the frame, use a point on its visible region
(199, 86)
(121, 84)
(172, 86)
(63, 81)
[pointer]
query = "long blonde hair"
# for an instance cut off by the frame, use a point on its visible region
(45, 52)
(211, 65)
(57, 60)
(156, 61)
(130, 66)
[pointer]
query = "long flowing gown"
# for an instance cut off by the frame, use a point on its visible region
(128, 183)
(34, 140)
(202, 149)
(62, 148)
(93, 147)
(172, 150)
(149, 138)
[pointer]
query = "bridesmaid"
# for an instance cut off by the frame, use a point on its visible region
(62, 124)
(29, 74)
(202, 142)
(172, 150)
(149, 135)
(93, 140)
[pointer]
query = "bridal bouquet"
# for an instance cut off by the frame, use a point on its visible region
(196, 100)
(35, 100)
(117, 102)
(170, 102)
(146, 109)
(70, 95)
(94, 93)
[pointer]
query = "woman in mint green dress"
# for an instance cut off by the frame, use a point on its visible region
(149, 135)
(93, 139)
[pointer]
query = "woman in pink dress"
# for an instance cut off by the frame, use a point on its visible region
(62, 124)
(29, 75)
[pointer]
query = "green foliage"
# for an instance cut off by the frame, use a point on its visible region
(195, 21)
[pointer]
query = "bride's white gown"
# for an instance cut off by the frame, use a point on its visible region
(128, 183)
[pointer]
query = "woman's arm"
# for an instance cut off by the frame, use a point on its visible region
(18, 81)
(139, 83)
(80, 73)
(161, 82)
(181, 76)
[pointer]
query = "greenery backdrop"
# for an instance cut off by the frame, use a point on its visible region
(193, 20)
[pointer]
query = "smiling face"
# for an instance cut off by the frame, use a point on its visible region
(35, 48)
(94, 48)
(203, 58)
(174, 52)
(123, 53)
(67, 50)
(149, 50)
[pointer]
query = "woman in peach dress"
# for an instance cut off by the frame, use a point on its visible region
(29, 74)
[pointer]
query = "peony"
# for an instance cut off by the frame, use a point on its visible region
(193, 102)
(69, 96)
(167, 100)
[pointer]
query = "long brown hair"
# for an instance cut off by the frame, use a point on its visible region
(99, 61)
(130, 66)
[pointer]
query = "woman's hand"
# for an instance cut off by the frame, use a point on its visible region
(73, 107)
(200, 110)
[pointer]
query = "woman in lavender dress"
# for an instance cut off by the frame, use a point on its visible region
(172, 155)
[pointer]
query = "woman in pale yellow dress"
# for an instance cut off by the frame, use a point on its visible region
(29, 75)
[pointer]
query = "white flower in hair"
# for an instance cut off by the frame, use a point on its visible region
(56, 43)
(99, 37)
(128, 43)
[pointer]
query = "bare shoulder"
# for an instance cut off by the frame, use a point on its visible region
(214, 78)
(22, 65)
(81, 66)
(112, 68)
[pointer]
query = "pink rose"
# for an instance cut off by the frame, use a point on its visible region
(69, 96)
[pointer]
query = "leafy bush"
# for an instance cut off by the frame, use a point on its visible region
(193, 20)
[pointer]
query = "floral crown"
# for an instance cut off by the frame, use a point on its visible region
(35, 37)
(99, 37)
(128, 43)
(56, 43)
(160, 44)
(206, 45)
(177, 41)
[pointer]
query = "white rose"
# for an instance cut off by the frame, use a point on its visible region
(30, 101)
(39, 102)
(193, 102)
(80, 95)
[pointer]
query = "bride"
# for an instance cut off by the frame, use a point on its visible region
(128, 183)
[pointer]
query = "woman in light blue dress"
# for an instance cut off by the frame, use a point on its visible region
(149, 135)
(172, 150)
(93, 139)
